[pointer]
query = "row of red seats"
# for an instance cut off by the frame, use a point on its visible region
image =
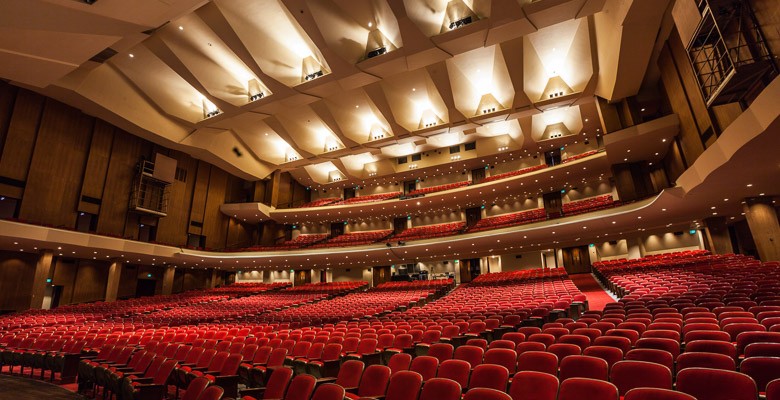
(300, 241)
(320, 202)
(368, 198)
(589, 204)
(579, 156)
(511, 219)
(438, 188)
(514, 173)
(353, 239)
(430, 231)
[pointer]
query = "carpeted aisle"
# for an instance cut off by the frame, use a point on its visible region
(597, 297)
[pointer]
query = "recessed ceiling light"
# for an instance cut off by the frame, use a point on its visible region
(749, 185)
(131, 55)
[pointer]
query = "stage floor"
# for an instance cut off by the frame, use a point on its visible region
(18, 388)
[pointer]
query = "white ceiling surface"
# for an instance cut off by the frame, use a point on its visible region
(174, 56)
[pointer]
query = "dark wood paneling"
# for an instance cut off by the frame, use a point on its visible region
(7, 98)
(199, 195)
(689, 83)
(126, 152)
(689, 135)
(215, 223)
(673, 163)
(128, 281)
(65, 275)
(62, 145)
(91, 281)
(22, 132)
(16, 280)
(624, 182)
(173, 228)
(97, 166)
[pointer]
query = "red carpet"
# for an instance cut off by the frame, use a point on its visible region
(597, 297)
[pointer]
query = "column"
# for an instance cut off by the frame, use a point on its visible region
(762, 220)
(634, 246)
(167, 284)
(716, 236)
(112, 286)
(42, 272)
(214, 278)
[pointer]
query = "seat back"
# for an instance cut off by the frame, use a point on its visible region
(762, 369)
(426, 366)
(578, 366)
(538, 361)
(489, 376)
(374, 381)
(627, 375)
(277, 357)
(486, 394)
(471, 354)
(609, 354)
(277, 383)
(301, 388)
(350, 373)
(714, 384)
(533, 385)
(399, 362)
(440, 389)
(404, 385)
(705, 360)
(584, 388)
(164, 372)
(442, 351)
(456, 370)
(329, 391)
(195, 388)
(656, 394)
(504, 357)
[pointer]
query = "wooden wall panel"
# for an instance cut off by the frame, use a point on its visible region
(173, 228)
(688, 79)
(97, 166)
(91, 281)
(126, 152)
(689, 135)
(215, 223)
(62, 145)
(7, 98)
(20, 139)
(128, 281)
(16, 280)
(65, 271)
(199, 195)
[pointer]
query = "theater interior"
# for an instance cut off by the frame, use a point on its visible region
(389, 199)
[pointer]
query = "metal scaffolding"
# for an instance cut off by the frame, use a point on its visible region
(728, 52)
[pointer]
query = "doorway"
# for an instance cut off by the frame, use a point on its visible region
(477, 175)
(469, 269)
(302, 277)
(145, 287)
(380, 275)
(576, 260)
(410, 186)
